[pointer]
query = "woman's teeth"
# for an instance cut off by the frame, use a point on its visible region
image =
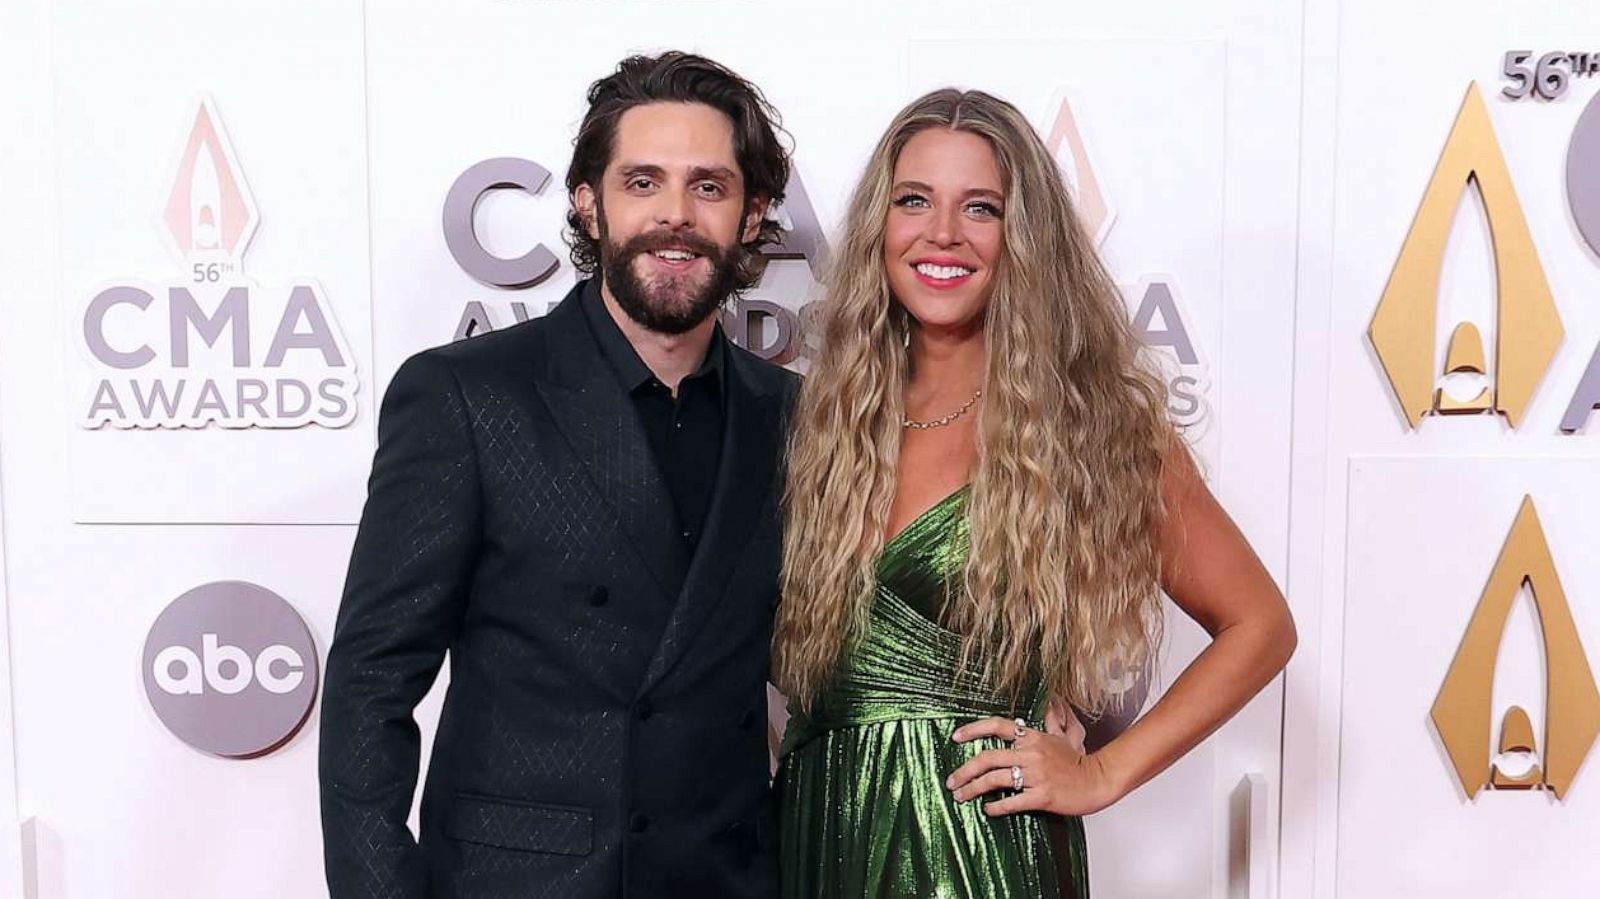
(942, 272)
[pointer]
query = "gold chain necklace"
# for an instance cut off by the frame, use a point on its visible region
(943, 420)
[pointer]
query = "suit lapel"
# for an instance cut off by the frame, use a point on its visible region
(744, 481)
(600, 425)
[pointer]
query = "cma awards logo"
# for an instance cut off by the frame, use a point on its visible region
(230, 669)
(1462, 713)
(1527, 326)
(1162, 321)
(212, 346)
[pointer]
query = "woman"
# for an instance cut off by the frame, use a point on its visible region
(984, 502)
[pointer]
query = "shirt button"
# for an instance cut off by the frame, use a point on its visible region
(600, 596)
(644, 710)
(638, 823)
(678, 425)
(686, 535)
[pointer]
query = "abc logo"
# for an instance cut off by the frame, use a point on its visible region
(211, 661)
(230, 669)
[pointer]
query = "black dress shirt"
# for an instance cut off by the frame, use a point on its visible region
(685, 433)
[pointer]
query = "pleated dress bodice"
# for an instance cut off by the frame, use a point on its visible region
(865, 809)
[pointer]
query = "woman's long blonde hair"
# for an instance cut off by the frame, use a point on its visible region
(1062, 576)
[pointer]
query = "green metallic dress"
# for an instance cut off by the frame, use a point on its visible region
(865, 809)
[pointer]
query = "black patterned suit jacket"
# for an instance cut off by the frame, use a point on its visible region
(601, 736)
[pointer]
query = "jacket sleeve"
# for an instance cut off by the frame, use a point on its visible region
(404, 597)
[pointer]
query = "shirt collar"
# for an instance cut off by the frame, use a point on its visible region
(630, 370)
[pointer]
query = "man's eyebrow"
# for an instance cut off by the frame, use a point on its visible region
(629, 169)
(713, 173)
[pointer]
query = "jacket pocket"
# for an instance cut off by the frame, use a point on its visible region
(523, 826)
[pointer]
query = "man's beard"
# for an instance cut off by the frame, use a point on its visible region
(667, 304)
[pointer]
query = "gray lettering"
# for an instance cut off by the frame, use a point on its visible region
(305, 399)
(329, 390)
(1585, 398)
(1158, 299)
(461, 236)
(474, 320)
(750, 316)
(105, 400)
(1189, 401)
(158, 394)
(255, 397)
(303, 304)
(1583, 173)
(183, 313)
(803, 237)
(211, 401)
(94, 322)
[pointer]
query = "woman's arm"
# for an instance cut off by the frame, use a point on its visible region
(1209, 571)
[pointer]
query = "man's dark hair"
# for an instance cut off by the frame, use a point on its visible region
(677, 77)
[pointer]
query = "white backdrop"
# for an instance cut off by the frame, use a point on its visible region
(288, 82)
(1386, 546)
(1265, 157)
(1435, 529)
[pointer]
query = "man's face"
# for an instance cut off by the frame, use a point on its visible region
(670, 214)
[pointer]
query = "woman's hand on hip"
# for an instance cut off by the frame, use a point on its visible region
(1054, 773)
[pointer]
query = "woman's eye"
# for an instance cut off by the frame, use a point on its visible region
(916, 201)
(984, 209)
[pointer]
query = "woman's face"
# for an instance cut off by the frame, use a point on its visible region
(943, 236)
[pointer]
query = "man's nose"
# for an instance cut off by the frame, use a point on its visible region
(675, 209)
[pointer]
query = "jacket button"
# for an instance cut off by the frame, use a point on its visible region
(644, 710)
(599, 596)
(747, 720)
(638, 823)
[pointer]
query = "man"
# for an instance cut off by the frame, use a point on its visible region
(582, 511)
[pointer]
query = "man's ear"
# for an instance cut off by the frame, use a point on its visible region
(583, 201)
(752, 219)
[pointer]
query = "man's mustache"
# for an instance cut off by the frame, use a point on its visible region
(653, 241)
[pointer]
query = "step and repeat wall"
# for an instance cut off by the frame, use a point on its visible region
(1454, 637)
(1361, 238)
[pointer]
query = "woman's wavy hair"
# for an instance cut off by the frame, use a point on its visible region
(1062, 577)
(677, 77)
